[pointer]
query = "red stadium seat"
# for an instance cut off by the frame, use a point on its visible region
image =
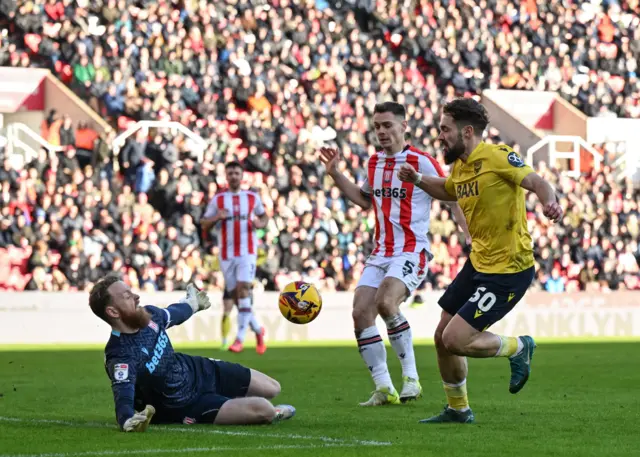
(23, 281)
(24, 266)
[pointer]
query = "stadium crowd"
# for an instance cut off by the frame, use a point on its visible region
(267, 82)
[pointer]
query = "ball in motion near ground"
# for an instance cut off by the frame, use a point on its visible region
(300, 302)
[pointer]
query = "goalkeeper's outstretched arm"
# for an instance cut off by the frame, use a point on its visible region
(195, 300)
(122, 372)
(123, 397)
(128, 418)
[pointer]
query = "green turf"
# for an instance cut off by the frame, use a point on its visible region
(582, 400)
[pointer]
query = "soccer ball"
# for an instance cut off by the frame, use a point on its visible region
(300, 302)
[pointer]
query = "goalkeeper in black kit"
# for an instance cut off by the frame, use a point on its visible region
(166, 386)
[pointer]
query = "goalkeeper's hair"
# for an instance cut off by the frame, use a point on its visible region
(467, 111)
(100, 298)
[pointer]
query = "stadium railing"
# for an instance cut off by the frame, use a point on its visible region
(25, 149)
(557, 153)
(198, 142)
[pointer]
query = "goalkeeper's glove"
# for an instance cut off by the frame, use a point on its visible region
(140, 421)
(197, 299)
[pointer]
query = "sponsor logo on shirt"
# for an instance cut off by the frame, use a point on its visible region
(158, 351)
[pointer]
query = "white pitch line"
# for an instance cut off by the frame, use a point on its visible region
(182, 451)
(209, 431)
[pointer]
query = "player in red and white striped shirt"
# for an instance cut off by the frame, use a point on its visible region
(398, 263)
(239, 213)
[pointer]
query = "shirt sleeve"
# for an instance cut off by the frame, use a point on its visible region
(430, 167)
(450, 187)
(122, 373)
(258, 210)
(365, 189)
(172, 315)
(509, 165)
(212, 208)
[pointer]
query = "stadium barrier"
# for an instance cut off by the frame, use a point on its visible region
(65, 318)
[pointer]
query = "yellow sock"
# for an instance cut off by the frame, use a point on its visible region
(226, 327)
(457, 395)
(508, 346)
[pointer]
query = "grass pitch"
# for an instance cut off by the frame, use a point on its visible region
(582, 400)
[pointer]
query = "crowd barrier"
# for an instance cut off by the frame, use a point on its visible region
(65, 318)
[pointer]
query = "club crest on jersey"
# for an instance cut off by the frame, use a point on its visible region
(477, 166)
(121, 371)
(388, 174)
(154, 326)
(515, 160)
(236, 208)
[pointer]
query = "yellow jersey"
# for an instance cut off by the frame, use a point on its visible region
(487, 187)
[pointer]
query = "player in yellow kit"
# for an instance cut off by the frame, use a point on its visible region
(489, 183)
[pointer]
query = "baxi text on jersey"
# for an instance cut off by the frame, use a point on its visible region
(467, 189)
(390, 192)
(158, 350)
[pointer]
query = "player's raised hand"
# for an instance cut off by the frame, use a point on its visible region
(203, 300)
(330, 157)
(407, 173)
(140, 421)
(553, 211)
(197, 299)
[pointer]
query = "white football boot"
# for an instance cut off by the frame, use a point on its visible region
(411, 389)
(383, 396)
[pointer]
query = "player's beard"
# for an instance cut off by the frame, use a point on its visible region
(137, 319)
(452, 153)
(234, 186)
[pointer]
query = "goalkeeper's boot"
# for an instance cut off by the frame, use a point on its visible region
(284, 412)
(224, 346)
(411, 389)
(149, 411)
(383, 396)
(450, 416)
(261, 347)
(236, 347)
(521, 365)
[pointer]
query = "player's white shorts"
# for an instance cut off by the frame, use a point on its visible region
(238, 269)
(409, 267)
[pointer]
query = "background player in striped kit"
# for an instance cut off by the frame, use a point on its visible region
(239, 213)
(398, 263)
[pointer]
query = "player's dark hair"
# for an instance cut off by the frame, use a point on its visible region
(233, 164)
(467, 111)
(99, 297)
(394, 108)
